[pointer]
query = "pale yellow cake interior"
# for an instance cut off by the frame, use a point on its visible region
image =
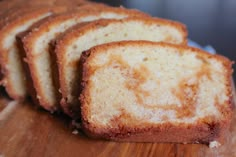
(154, 85)
(16, 78)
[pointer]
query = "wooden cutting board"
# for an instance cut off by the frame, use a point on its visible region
(29, 132)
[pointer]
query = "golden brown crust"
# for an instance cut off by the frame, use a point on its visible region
(204, 130)
(29, 83)
(11, 25)
(75, 33)
(17, 7)
(6, 5)
(18, 4)
(12, 14)
(167, 132)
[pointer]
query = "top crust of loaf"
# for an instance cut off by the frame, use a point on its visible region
(74, 33)
(125, 125)
(7, 5)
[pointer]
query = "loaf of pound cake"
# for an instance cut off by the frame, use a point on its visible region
(70, 46)
(155, 92)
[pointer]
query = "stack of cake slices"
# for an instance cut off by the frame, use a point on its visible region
(126, 75)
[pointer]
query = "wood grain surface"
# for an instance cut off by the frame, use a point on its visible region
(26, 131)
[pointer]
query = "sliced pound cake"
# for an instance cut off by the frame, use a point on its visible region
(11, 65)
(70, 46)
(8, 16)
(155, 92)
(36, 45)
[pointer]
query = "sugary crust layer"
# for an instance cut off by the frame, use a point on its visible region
(7, 5)
(4, 33)
(41, 30)
(75, 33)
(12, 14)
(202, 131)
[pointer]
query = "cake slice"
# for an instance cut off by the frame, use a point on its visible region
(11, 65)
(8, 16)
(155, 92)
(36, 46)
(70, 46)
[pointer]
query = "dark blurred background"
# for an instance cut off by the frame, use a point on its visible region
(209, 22)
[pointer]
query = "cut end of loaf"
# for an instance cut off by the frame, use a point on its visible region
(137, 86)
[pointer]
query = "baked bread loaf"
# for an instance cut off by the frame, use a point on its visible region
(70, 46)
(155, 92)
(11, 66)
(36, 46)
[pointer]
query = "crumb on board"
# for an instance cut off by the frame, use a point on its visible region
(75, 132)
(214, 144)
